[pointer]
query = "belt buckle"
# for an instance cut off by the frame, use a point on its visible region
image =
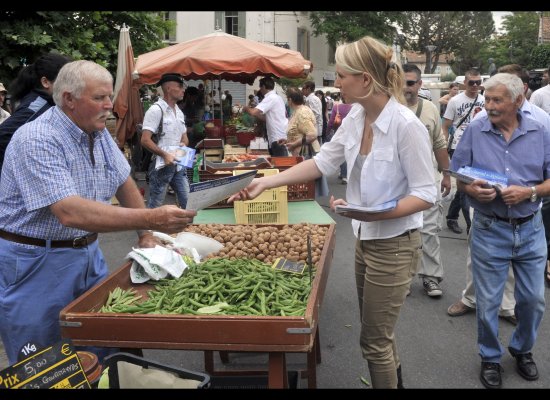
(80, 242)
(514, 221)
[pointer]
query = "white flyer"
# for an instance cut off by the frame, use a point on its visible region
(204, 194)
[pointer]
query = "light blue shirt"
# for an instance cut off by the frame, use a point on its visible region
(399, 164)
(48, 160)
(525, 159)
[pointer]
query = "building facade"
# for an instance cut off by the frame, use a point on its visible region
(289, 29)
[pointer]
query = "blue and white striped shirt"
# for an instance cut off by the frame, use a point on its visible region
(48, 160)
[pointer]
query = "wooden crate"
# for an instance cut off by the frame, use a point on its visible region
(229, 150)
(215, 155)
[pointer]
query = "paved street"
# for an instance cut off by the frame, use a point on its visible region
(437, 351)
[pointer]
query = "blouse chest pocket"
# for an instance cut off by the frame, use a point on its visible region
(383, 163)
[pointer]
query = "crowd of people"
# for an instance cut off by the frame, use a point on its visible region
(61, 168)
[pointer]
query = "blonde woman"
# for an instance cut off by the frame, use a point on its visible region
(301, 124)
(388, 153)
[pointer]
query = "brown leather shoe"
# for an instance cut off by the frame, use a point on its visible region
(458, 309)
(509, 318)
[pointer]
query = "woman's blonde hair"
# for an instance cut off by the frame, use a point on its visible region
(373, 57)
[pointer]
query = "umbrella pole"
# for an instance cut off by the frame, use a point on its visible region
(220, 94)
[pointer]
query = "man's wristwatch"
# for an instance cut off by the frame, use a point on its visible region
(534, 196)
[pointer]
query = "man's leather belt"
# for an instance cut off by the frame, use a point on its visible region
(76, 243)
(515, 221)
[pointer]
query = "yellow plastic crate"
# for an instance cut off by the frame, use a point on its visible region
(270, 207)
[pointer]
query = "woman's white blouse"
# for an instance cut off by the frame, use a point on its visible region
(399, 164)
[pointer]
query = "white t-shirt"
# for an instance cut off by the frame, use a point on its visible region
(274, 110)
(541, 98)
(457, 108)
(173, 125)
(313, 102)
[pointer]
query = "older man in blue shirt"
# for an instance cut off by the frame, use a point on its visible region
(507, 228)
(59, 174)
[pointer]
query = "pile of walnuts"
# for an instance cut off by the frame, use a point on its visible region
(265, 243)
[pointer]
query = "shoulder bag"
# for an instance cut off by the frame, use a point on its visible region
(306, 150)
(148, 156)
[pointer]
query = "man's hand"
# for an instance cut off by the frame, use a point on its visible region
(445, 185)
(515, 194)
(147, 240)
(169, 158)
(480, 190)
(170, 219)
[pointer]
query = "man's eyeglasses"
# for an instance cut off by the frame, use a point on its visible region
(411, 83)
(472, 83)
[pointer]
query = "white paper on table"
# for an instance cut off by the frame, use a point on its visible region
(202, 244)
(204, 194)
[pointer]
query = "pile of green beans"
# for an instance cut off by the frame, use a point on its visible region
(249, 286)
(119, 300)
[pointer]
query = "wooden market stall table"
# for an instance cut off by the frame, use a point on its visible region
(273, 335)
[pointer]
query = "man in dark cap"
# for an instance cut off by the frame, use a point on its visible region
(165, 120)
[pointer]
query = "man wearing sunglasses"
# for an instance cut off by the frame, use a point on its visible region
(460, 111)
(431, 268)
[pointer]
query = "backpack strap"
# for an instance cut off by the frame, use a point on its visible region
(159, 128)
(419, 107)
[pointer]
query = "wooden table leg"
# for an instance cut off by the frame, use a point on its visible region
(224, 356)
(209, 361)
(312, 369)
(317, 346)
(277, 376)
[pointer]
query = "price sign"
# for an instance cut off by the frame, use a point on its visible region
(54, 367)
(296, 267)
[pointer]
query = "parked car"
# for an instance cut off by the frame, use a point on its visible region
(535, 78)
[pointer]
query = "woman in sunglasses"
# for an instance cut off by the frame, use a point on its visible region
(388, 153)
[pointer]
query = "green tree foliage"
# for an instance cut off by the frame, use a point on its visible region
(347, 26)
(517, 44)
(521, 36)
(292, 82)
(540, 57)
(90, 35)
(458, 33)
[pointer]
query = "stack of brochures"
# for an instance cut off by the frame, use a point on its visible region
(387, 206)
(184, 156)
(469, 174)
